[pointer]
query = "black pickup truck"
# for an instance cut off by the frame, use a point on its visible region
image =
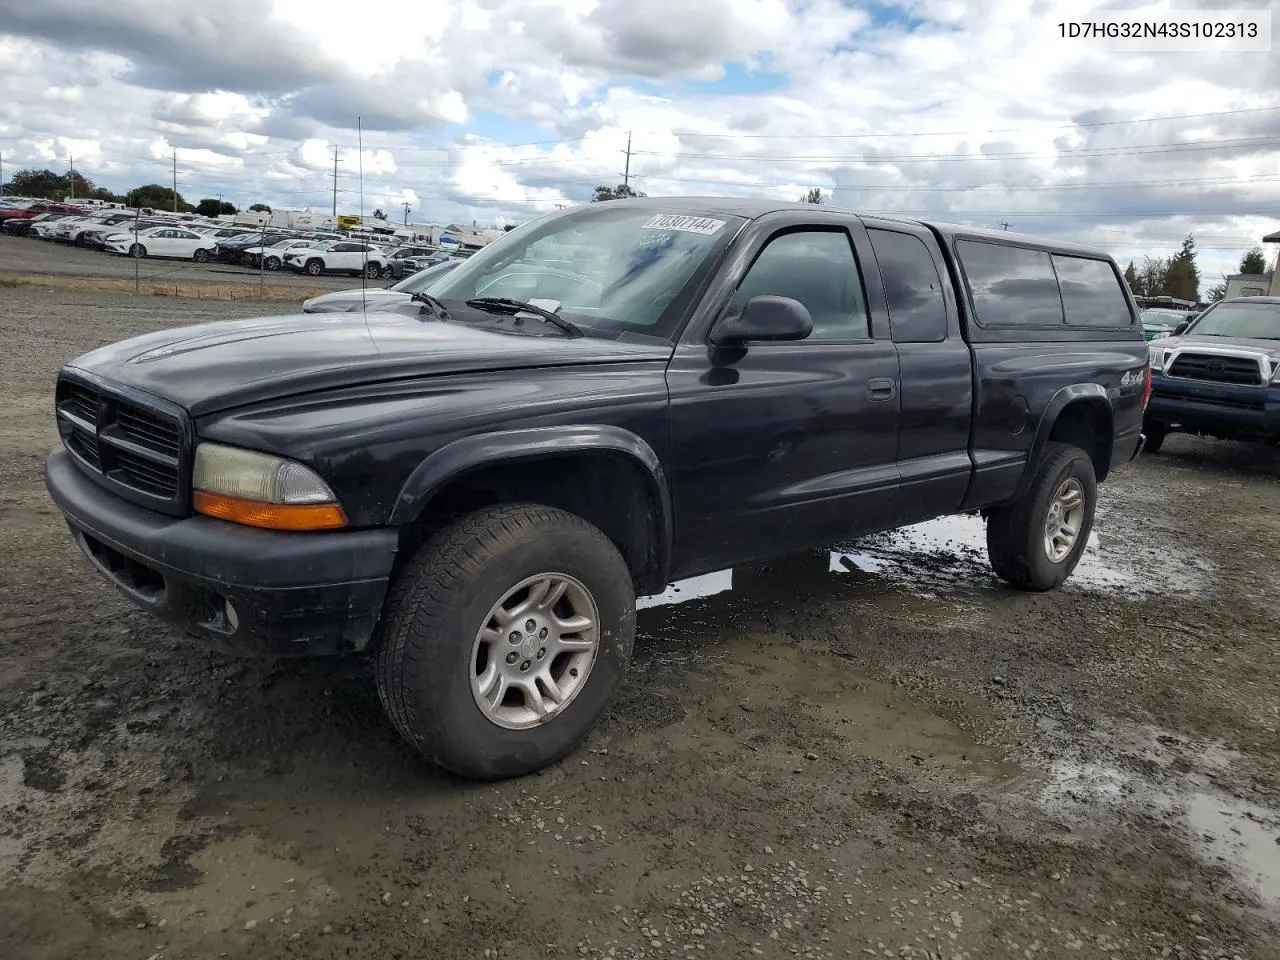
(602, 401)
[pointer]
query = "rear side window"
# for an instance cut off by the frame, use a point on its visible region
(1091, 293)
(912, 286)
(1011, 286)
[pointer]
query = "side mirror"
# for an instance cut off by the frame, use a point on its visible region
(1181, 328)
(765, 318)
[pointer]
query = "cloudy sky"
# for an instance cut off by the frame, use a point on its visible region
(496, 110)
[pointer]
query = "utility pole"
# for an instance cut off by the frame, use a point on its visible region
(72, 162)
(626, 173)
(219, 213)
(335, 181)
(1, 174)
(175, 181)
(406, 213)
(1004, 226)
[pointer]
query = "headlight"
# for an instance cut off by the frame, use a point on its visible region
(260, 490)
(1275, 372)
(1156, 352)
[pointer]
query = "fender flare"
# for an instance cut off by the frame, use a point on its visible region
(488, 449)
(1092, 393)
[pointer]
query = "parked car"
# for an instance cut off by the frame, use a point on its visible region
(1159, 322)
(396, 296)
(232, 249)
(162, 242)
(271, 256)
(1218, 375)
(338, 256)
(97, 236)
(476, 503)
(403, 261)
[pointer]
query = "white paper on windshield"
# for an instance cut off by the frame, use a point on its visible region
(670, 221)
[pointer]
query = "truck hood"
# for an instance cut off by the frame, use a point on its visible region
(213, 367)
(348, 300)
(1269, 347)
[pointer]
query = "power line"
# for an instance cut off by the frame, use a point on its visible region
(963, 133)
(965, 188)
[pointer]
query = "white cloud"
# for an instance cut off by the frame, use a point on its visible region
(959, 109)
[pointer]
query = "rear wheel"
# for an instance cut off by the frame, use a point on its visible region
(315, 267)
(505, 640)
(272, 263)
(372, 270)
(1036, 542)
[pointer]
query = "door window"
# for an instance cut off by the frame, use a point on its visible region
(816, 267)
(912, 287)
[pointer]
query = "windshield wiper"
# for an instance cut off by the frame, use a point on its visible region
(509, 306)
(437, 307)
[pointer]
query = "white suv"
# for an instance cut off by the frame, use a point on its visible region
(344, 256)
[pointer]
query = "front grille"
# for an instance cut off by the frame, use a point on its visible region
(1243, 371)
(128, 445)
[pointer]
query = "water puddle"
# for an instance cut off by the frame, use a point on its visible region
(1220, 830)
(950, 553)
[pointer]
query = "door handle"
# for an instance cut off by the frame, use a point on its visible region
(881, 389)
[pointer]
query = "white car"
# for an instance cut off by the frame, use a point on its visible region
(345, 256)
(162, 242)
(273, 254)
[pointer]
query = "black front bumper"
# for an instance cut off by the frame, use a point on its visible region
(236, 588)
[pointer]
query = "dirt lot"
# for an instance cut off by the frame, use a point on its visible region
(873, 751)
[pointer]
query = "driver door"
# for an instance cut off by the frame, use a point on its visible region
(783, 446)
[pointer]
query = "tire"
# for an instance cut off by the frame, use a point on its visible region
(201, 255)
(272, 263)
(430, 648)
(315, 267)
(372, 271)
(1016, 537)
(137, 250)
(1155, 433)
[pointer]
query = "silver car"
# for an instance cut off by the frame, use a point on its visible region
(398, 295)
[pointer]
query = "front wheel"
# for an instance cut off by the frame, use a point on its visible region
(506, 637)
(1155, 434)
(138, 251)
(315, 267)
(1036, 542)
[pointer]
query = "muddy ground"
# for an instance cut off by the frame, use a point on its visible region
(873, 751)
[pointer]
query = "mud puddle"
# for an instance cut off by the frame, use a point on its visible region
(1155, 775)
(950, 553)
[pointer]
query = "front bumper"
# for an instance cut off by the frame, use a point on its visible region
(235, 588)
(1218, 409)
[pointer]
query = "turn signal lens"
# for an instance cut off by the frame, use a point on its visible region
(271, 516)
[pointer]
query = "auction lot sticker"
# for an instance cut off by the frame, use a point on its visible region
(670, 221)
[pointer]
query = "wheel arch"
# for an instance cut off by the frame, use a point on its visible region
(1080, 414)
(606, 474)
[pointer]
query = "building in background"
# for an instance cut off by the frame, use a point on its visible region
(1274, 289)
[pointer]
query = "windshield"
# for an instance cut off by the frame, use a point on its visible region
(608, 268)
(1164, 317)
(1248, 321)
(423, 279)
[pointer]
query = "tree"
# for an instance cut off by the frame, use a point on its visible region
(1151, 277)
(813, 196)
(210, 207)
(620, 192)
(1182, 275)
(1217, 292)
(1254, 263)
(1131, 278)
(49, 185)
(259, 208)
(379, 215)
(157, 197)
(508, 228)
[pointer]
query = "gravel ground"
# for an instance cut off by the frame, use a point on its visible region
(872, 751)
(25, 255)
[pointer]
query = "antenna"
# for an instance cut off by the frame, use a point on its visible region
(364, 246)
